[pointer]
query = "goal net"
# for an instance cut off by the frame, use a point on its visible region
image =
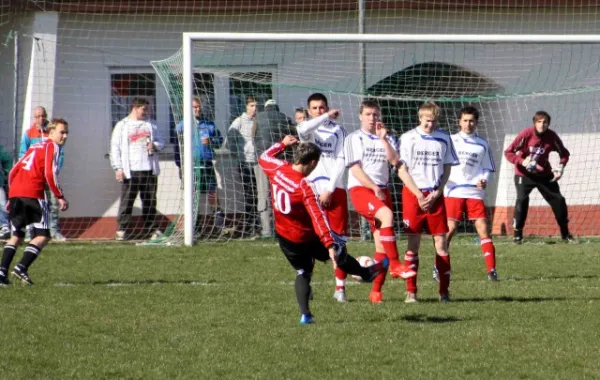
(508, 80)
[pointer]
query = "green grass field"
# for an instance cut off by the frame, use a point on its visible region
(228, 311)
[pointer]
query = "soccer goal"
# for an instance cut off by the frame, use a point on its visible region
(507, 77)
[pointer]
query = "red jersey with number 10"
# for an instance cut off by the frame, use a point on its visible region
(298, 215)
(35, 169)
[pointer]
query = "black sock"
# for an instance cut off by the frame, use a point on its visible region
(302, 286)
(349, 264)
(564, 231)
(31, 253)
(7, 257)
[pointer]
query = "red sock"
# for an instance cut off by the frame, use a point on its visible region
(442, 262)
(388, 240)
(489, 253)
(340, 277)
(412, 259)
(380, 279)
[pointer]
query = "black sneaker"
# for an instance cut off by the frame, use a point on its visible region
(375, 269)
(493, 275)
(4, 278)
(22, 275)
(569, 239)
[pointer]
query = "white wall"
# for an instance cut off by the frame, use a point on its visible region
(90, 46)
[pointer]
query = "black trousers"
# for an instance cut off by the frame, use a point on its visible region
(551, 193)
(143, 183)
(251, 218)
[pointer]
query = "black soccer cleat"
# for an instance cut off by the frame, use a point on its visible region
(518, 237)
(375, 269)
(4, 278)
(22, 275)
(569, 239)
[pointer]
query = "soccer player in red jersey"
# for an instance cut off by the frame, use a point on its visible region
(303, 231)
(426, 154)
(27, 204)
(529, 153)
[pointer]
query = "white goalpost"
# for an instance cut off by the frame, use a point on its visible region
(500, 107)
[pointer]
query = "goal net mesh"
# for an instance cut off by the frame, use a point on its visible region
(508, 83)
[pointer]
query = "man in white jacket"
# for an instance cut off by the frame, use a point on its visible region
(133, 155)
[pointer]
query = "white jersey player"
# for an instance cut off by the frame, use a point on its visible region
(465, 189)
(327, 177)
(427, 155)
(369, 152)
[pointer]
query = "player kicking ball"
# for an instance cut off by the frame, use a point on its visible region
(27, 205)
(426, 156)
(301, 226)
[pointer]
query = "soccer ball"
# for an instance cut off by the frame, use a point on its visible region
(364, 261)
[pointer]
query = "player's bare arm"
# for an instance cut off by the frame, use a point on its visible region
(289, 140)
(63, 204)
(390, 153)
(410, 184)
(119, 175)
(434, 195)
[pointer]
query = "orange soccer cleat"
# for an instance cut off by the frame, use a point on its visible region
(401, 270)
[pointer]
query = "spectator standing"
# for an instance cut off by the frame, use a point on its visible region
(205, 139)
(240, 141)
(5, 166)
(134, 146)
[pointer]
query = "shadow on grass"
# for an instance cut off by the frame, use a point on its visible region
(117, 283)
(422, 318)
(511, 299)
(563, 277)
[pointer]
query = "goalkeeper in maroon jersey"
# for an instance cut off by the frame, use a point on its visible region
(301, 226)
(529, 153)
(27, 204)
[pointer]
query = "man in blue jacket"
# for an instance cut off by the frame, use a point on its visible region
(206, 138)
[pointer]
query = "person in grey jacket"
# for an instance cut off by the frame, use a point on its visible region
(133, 156)
(240, 141)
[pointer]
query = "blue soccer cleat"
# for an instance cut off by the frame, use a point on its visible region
(307, 319)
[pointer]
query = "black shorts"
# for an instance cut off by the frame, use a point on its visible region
(302, 256)
(32, 212)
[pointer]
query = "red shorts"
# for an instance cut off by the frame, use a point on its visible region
(414, 218)
(367, 204)
(475, 208)
(337, 212)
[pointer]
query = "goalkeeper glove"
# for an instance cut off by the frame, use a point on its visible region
(529, 164)
(558, 172)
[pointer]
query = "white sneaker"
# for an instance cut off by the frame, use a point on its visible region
(59, 237)
(4, 233)
(120, 236)
(340, 296)
(156, 235)
(411, 298)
